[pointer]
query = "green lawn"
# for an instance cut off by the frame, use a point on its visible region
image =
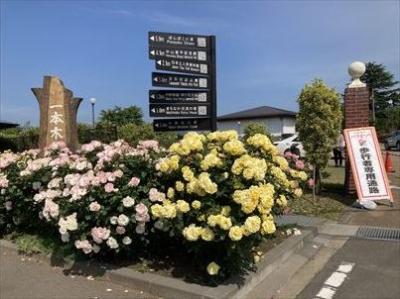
(332, 201)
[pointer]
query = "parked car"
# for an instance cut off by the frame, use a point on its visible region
(292, 144)
(393, 141)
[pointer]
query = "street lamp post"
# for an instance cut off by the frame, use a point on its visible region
(238, 123)
(92, 101)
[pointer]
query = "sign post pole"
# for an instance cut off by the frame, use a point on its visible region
(213, 84)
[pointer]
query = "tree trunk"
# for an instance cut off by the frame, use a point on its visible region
(317, 181)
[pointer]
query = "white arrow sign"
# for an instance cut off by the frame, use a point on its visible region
(156, 79)
(159, 62)
(152, 52)
(152, 38)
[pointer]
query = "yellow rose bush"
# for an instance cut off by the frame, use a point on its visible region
(221, 197)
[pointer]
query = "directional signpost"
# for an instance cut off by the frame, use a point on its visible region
(182, 66)
(165, 110)
(194, 99)
(179, 81)
(182, 124)
(178, 96)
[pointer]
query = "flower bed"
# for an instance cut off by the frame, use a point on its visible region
(212, 196)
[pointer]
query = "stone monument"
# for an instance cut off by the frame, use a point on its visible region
(58, 111)
(356, 111)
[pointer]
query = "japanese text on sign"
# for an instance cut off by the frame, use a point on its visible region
(367, 165)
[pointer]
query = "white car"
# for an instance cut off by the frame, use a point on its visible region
(393, 141)
(289, 143)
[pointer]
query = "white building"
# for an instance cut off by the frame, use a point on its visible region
(277, 121)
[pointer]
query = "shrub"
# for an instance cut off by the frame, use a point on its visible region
(95, 195)
(211, 197)
(255, 128)
(217, 196)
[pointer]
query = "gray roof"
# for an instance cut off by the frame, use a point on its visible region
(7, 125)
(257, 112)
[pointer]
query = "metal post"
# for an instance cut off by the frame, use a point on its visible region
(213, 83)
(92, 115)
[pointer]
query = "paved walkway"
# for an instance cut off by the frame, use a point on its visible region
(361, 269)
(384, 215)
(25, 278)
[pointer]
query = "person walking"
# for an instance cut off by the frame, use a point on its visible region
(338, 151)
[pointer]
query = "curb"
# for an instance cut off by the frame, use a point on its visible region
(168, 287)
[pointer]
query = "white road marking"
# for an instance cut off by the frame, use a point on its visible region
(326, 293)
(345, 267)
(334, 281)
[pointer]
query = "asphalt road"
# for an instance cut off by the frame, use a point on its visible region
(361, 269)
(25, 278)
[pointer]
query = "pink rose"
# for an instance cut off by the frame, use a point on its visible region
(109, 187)
(149, 144)
(84, 245)
(142, 217)
(288, 155)
(135, 181)
(120, 230)
(141, 209)
(100, 234)
(311, 183)
(118, 173)
(94, 206)
(299, 164)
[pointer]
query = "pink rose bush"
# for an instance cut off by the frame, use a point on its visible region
(96, 199)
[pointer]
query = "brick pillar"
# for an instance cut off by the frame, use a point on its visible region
(356, 115)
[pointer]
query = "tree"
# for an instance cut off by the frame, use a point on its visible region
(318, 123)
(121, 116)
(255, 128)
(384, 89)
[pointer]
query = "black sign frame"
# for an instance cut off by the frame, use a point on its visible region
(179, 43)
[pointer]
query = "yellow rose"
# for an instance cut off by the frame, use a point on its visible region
(201, 218)
(213, 268)
(187, 173)
(192, 232)
(226, 210)
(235, 233)
(212, 220)
(282, 201)
(268, 227)
(179, 186)
(298, 192)
(156, 210)
(224, 223)
(169, 211)
(182, 206)
(170, 193)
(252, 224)
(207, 234)
(210, 160)
(234, 147)
(196, 204)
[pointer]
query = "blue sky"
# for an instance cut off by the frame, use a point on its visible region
(266, 50)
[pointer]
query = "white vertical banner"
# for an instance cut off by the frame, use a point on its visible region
(367, 164)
